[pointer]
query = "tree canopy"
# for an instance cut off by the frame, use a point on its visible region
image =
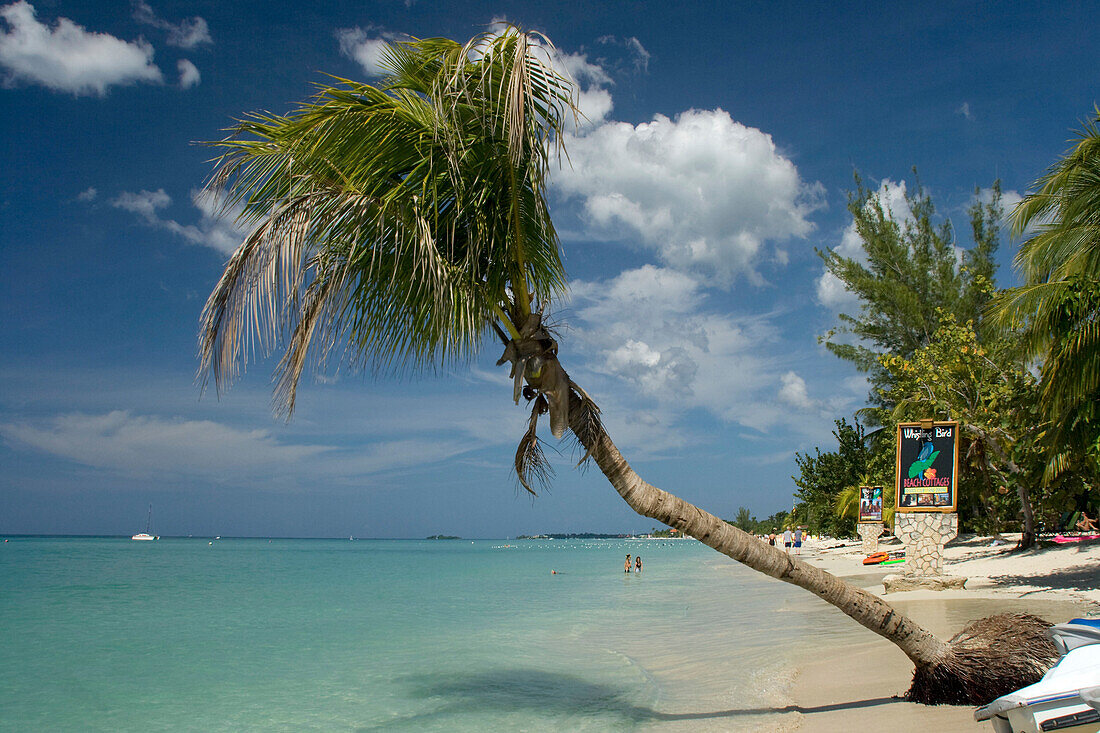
(1057, 309)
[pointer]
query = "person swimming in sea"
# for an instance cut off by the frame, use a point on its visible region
(638, 564)
(626, 566)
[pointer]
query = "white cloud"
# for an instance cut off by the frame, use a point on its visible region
(87, 194)
(649, 329)
(793, 391)
(140, 445)
(67, 57)
(831, 291)
(964, 110)
(215, 229)
(185, 34)
(702, 191)
(189, 74)
(145, 204)
(1009, 200)
(365, 47)
(591, 94)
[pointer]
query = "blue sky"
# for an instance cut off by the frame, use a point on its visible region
(719, 151)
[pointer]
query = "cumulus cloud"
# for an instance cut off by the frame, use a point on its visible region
(591, 94)
(189, 74)
(702, 191)
(67, 57)
(215, 229)
(185, 34)
(365, 46)
(793, 391)
(831, 292)
(87, 195)
(649, 328)
(1009, 200)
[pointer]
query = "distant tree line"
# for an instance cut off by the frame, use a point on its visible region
(747, 522)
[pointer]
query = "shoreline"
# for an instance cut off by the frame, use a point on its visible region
(858, 684)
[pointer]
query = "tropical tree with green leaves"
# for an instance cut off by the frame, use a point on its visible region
(823, 476)
(912, 267)
(399, 225)
(990, 391)
(1057, 309)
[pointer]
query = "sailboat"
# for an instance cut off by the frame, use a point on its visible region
(145, 535)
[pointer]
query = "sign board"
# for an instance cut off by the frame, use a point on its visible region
(927, 466)
(870, 504)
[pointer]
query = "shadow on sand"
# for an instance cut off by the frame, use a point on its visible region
(557, 696)
(1079, 578)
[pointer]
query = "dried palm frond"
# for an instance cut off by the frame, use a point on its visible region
(989, 658)
(584, 421)
(530, 464)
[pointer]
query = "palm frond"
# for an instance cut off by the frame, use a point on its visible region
(530, 462)
(390, 224)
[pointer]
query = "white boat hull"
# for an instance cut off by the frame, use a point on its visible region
(1065, 700)
(144, 537)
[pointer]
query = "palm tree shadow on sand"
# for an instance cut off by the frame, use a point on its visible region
(558, 696)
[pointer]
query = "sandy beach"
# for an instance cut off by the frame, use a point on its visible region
(859, 685)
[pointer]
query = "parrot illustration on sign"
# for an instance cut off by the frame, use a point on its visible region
(924, 461)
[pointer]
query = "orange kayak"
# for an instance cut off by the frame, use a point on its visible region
(876, 558)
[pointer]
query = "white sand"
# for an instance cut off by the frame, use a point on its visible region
(855, 686)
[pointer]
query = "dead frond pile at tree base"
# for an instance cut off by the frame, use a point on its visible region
(989, 658)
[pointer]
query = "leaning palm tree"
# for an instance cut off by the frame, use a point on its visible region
(400, 225)
(1058, 307)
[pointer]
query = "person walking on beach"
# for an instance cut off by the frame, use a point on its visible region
(798, 541)
(787, 540)
(638, 564)
(771, 538)
(626, 567)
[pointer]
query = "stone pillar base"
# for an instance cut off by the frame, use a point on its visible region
(869, 532)
(898, 583)
(924, 535)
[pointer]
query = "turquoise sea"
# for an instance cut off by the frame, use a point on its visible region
(379, 635)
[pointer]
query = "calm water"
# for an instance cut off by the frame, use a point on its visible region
(110, 634)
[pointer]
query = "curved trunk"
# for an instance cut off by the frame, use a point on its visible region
(923, 648)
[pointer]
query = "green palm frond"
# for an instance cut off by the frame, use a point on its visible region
(1057, 311)
(391, 224)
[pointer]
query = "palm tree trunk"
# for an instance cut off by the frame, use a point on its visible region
(919, 645)
(989, 658)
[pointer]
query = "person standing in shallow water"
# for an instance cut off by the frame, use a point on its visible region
(626, 566)
(638, 564)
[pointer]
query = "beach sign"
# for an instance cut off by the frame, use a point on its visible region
(870, 504)
(927, 466)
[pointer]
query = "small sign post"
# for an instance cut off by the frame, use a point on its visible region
(870, 517)
(870, 504)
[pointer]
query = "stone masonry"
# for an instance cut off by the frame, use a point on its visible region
(869, 532)
(924, 534)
